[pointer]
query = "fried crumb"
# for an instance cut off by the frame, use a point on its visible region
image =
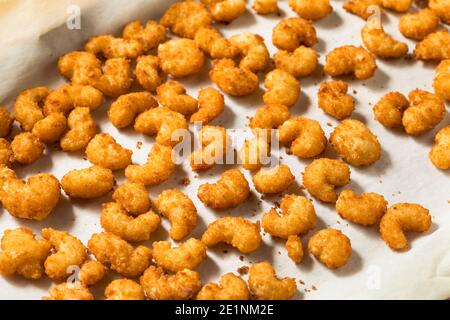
(139, 145)
(185, 182)
(243, 270)
(241, 258)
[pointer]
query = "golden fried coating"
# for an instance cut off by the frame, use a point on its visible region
(104, 151)
(322, 176)
(225, 10)
(6, 153)
(302, 62)
(304, 136)
(229, 191)
(291, 33)
(294, 248)
(90, 183)
(297, 217)
(282, 88)
(230, 287)
(185, 18)
(331, 247)
(6, 173)
(119, 255)
(211, 104)
(400, 218)
(124, 289)
(269, 117)
(311, 10)
(255, 153)
(361, 8)
(214, 144)
(389, 110)
(51, 128)
(27, 148)
(149, 36)
(180, 210)
(80, 67)
(210, 41)
(180, 57)
(397, 5)
(418, 25)
(148, 73)
(69, 251)
(27, 109)
(189, 255)
(117, 78)
(442, 80)
(334, 101)
(133, 197)
(172, 95)
(426, 110)
(233, 80)
(381, 44)
(6, 121)
(435, 46)
(442, 8)
(159, 167)
(23, 254)
(265, 6)
(253, 52)
(365, 209)
(69, 291)
(440, 153)
(265, 285)
(91, 272)
(124, 110)
(350, 60)
(82, 129)
(111, 47)
(274, 180)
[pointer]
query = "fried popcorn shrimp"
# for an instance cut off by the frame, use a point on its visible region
(180, 210)
(119, 255)
(214, 143)
(123, 111)
(26, 148)
(365, 209)
(265, 6)
(104, 151)
(159, 167)
(383, 45)
(225, 10)
(294, 248)
(172, 95)
(400, 218)
(133, 197)
(6, 121)
(185, 18)
(255, 152)
(389, 110)
(229, 191)
(265, 285)
(116, 220)
(91, 272)
(442, 80)
(211, 104)
(440, 153)
(291, 33)
(90, 183)
(297, 217)
(69, 291)
(210, 41)
(426, 110)
(111, 47)
(269, 117)
(348, 60)
(160, 286)
(80, 67)
(397, 5)
(311, 10)
(33, 199)
(435, 46)
(23, 254)
(274, 180)
(189, 255)
(117, 78)
(355, 143)
(302, 62)
(69, 251)
(164, 123)
(322, 176)
(334, 101)
(148, 72)
(304, 136)
(28, 108)
(361, 8)
(418, 25)
(70, 96)
(253, 51)
(331, 247)
(124, 289)
(233, 80)
(82, 129)
(180, 57)
(442, 8)
(238, 232)
(282, 88)
(230, 287)
(51, 128)
(149, 36)
(6, 153)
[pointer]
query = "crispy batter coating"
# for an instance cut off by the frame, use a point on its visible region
(255, 152)
(238, 232)
(104, 151)
(397, 5)
(6, 153)
(442, 8)
(159, 167)
(297, 217)
(282, 88)
(365, 209)
(6, 173)
(229, 191)
(361, 8)
(322, 176)
(225, 10)
(133, 197)
(302, 62)
(180, 57)
(116, 79)
(23, 254)
(51, 128)
(90, 183)
(269, 117)
(69, 251)
(6, 121)
(214, 144)
(253, 52)
(383, 45)
(265, 6)
(304, 136)
(69, 291)
(91, 272)
(230, 287)
(119, 255)
(27, 148)
(400, 218)
(211, 104)
(440, 153)
(233, 80)
(348, 60)
(435, 46)
(27, 109)
(111, 47)
(80, 67)
(149, 73)
(334, 101)
(172, 95)
(149, 36)
(210, 41)
(274, 180)
(124, 110)
(124, 289)
(180, 210)
(82, 129)
(311, 10)
(188, 255)
(418, 25)
(291, 33)
(389, 110)
(265, 285)
(331, 247)
(294, 248)
(442, 80)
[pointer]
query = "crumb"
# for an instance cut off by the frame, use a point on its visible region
(241, 258)
(243, 270)
(355, 92)
(329, 124)
(225, 251)
(301, 282)
(185, 182)
(314, 288)
(139, 145)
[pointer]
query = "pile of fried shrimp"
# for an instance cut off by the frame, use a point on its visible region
(153, 57)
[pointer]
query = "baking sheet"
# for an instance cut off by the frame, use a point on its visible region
(34, 34)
